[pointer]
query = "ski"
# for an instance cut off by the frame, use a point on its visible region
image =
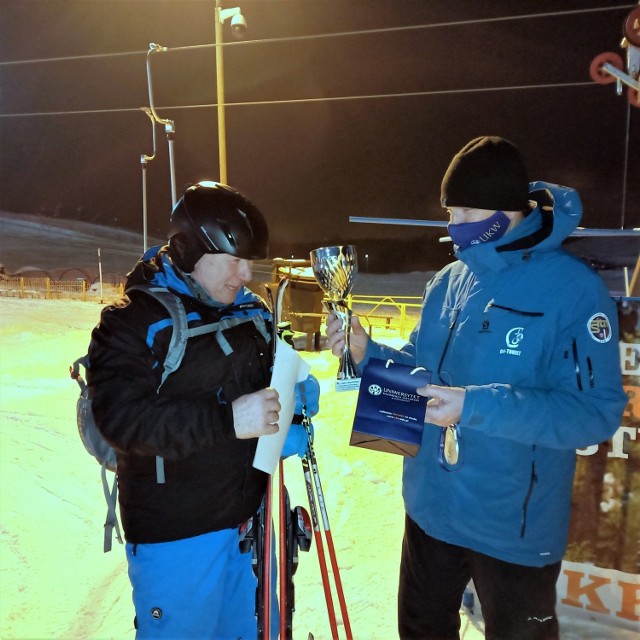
(252, 539)
(299, 538)
(267, 534)
(286, 614)
(286, 630)
(276, 303)
(264, 592)
(296, 535)
(294, 524)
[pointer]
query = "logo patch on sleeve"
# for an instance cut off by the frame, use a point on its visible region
(599, 327)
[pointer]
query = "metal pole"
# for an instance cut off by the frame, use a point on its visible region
(222, 133)
(144, 160)
(170, 130)
(169, 125)
(100, 272)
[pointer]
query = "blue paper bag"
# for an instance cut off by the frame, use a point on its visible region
(390, 414)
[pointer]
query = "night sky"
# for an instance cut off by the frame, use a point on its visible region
(318, 128)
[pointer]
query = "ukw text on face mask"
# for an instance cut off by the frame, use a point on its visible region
(469, 233)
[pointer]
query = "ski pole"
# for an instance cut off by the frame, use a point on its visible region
(327, 529)
(319, 546)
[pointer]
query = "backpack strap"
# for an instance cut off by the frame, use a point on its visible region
(181, 333)
(178, 343)
(111, 523)
(226, 323)
(74, 372)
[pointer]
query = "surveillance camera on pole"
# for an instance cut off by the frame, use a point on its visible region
(237, 21)
(238, 28)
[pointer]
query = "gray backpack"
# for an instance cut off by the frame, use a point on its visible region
(90, 435)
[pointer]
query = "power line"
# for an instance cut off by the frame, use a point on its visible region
(254, 103)
(341, 34)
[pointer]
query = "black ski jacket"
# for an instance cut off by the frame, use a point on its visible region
(210, 483)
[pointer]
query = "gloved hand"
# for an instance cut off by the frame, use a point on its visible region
(307, 395)
(296, 442)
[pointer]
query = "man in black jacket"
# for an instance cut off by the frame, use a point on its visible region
(201, 424)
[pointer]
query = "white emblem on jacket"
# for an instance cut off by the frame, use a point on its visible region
(513, 339)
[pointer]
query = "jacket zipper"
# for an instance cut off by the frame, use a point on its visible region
(576, 364)
(532, 314)
(492, 304)
(452, 326)
(533, 479)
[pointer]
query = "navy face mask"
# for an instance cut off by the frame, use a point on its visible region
(469, 233)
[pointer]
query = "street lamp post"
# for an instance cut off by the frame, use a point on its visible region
(238, 28)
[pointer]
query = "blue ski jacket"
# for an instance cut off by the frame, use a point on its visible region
(531, 332)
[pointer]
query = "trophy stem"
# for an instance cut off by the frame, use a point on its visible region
(347, 369)
(347, 377)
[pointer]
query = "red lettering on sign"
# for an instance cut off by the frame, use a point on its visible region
(575, 590)
(630, 601)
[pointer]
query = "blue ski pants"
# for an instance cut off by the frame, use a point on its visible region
(200, 587)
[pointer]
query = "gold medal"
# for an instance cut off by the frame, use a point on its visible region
(451, 450)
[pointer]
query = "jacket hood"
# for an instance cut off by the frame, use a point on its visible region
(560, 212)
(556, 216)
(156, 268)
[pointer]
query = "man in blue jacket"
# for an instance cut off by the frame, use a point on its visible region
(521, 338)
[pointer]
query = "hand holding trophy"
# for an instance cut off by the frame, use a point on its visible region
(335, 269)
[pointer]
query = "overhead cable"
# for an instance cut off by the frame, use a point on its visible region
(340, 34)
(254, 103)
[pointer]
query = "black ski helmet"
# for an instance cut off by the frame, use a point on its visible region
(211, 217)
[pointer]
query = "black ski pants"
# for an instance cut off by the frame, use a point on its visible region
(518, 602)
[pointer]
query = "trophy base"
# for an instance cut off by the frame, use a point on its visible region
(348, 384)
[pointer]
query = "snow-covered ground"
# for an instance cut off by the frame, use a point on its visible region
(55, 581)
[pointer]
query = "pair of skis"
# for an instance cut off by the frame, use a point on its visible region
(295, 530)
(295, 534)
